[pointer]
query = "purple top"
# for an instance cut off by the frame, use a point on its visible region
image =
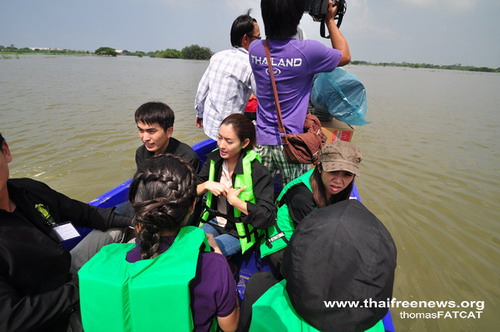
(213, 289)
(294, 64)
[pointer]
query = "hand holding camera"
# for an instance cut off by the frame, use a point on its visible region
(320, 12)
(331, 13)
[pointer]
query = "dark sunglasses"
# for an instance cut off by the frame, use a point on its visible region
(252, 36)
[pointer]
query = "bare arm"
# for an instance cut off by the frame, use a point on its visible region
(230, 322)
(198, 122)
(336, 37)
(215, 188)
(213, 243)
(235, 201)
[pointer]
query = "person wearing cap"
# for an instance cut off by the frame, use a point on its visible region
(341, 252)
(331, 181)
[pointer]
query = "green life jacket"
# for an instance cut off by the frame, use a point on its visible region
(274, 312)
(148, 295)
(246, 232)
(278, 235)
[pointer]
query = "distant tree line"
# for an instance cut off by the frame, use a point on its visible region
(26, 50)
(195, 52)
(427, 65)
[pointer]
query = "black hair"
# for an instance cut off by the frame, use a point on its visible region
(243, 127)
(242, 25)
(162, 193)
(319, 191)
(281, 17)
(155, 112)
(1, 139)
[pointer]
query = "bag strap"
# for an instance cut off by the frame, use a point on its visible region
(281, 128)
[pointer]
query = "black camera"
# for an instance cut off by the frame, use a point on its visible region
(318, 9)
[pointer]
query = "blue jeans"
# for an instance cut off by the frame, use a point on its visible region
(228, 244)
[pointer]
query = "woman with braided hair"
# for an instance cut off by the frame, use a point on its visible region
(162, 200)
(169, 279)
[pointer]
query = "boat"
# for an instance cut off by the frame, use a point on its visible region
(248, 263)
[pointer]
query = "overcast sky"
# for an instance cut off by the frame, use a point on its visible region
(419, 31)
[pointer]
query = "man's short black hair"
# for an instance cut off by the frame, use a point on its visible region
(281, 18)
(242, 25)
(155, 112)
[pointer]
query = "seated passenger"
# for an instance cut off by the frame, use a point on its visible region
(167, 280)
(155, 126)
(38, 284)
(341, 252)
(328, 183)
(240, 191)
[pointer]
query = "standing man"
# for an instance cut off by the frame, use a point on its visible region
(38, 292)
(228, 81)
(294, 64)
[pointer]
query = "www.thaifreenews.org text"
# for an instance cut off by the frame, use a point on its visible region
(443, 309)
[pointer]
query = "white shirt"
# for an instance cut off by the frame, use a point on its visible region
(226, 180)
(224, 88)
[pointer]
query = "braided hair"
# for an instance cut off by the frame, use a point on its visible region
(162, 193)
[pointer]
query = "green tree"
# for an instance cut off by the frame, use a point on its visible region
(11, 48)
(170, 53)
(106, 51)
(196, 52)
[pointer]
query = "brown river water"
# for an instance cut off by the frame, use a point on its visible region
(431, 168)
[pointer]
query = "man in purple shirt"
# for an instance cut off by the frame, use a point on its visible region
(294, 64)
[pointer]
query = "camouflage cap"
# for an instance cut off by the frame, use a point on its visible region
(341, 156)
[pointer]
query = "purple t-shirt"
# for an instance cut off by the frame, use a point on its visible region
(213, 289)
(294, 64)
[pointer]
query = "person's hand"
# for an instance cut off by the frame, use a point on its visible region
(198, 122)
(232, 195)
(332, 11)
(216, 188)
(213, 243)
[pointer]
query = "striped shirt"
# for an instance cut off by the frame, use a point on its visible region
(224, 88)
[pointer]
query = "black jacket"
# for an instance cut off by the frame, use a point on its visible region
(260, 215)
(37, 292)
(174, 147)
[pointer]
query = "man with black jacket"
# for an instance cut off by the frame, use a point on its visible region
(37, 290)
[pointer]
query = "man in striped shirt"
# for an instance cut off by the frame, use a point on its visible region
(228, 81)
